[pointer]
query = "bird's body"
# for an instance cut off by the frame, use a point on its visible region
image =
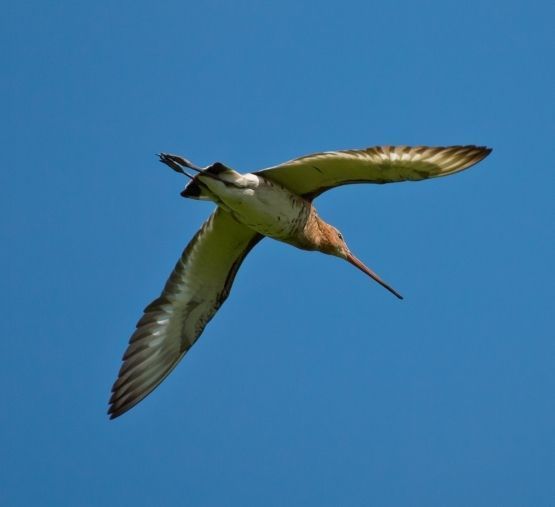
(263, 206)
(275, 202)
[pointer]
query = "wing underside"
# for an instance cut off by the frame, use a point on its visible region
(197, 287)
(311, 175)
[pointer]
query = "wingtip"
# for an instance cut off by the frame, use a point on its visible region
(485, 150)
(481, 153)
(114, 413)
(111, 413)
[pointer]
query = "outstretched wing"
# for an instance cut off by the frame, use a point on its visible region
(197, 287)
(311, 175)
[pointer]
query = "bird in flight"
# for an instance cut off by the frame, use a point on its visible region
(275, 202)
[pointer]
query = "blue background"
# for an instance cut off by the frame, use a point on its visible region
(312, 385)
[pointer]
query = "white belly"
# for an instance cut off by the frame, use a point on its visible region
(262, 205)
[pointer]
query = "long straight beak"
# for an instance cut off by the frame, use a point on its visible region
(355, 262)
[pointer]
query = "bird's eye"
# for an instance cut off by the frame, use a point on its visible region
(340, 235)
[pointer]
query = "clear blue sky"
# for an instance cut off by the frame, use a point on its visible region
(312, 386)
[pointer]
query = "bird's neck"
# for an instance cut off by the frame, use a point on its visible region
(318, 233)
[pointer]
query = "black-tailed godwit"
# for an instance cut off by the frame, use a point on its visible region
(275, 202)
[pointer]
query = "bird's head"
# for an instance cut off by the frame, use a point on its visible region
(331, 242)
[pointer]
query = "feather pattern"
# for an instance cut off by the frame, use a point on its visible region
(171, 324)
(311, 175)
